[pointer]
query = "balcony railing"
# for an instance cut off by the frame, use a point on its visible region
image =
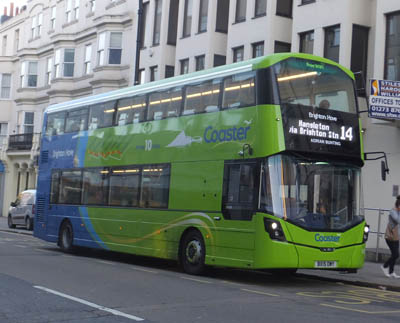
(20, 142)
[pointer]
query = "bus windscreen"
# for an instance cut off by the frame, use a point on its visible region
(314, 195)
(315, 84)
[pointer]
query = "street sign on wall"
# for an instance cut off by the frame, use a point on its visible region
(384, 101)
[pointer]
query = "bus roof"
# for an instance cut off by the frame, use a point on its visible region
(221, 71)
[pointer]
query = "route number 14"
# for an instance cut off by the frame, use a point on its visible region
(346, 134)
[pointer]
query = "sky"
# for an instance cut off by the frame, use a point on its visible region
(6, 3)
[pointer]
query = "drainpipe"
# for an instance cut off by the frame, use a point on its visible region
(138, 42)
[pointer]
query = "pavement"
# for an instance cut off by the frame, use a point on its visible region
(370, 275)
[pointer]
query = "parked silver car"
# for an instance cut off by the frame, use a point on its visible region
(22, 211)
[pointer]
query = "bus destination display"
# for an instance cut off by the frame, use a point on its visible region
(320, 130)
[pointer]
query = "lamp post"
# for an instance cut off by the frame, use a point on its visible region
(138, 42)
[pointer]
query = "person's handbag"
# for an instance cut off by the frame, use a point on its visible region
(392, 232)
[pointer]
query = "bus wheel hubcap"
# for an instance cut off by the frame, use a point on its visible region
(193, 252)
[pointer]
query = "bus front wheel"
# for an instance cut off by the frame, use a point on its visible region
(192, 253)
(66, 237)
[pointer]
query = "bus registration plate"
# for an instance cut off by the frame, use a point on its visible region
(325, 264)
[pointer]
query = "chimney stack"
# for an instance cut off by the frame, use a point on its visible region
(5, 11)
(17, 11)
(12, 9)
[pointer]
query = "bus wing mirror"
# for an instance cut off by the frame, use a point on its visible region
(384, 170)
(360, 83)
(384, 163)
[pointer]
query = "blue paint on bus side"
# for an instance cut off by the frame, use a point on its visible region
(89, 227)
(65, 151)
(81, 148)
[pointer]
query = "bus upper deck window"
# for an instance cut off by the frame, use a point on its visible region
(76, 120)
(239, 91)
(202, 97)
(131, 110)
(101, 115)
(55, 124)
(165, 104)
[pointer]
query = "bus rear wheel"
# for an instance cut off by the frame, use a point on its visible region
(192, 253)
(66, 237)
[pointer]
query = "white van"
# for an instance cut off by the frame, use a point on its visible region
(22, 211)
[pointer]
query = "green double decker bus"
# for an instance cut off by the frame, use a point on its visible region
(251, 165)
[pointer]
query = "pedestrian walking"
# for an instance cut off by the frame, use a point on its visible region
(392, 239)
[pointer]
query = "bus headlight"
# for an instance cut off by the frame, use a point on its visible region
(274, 229)
(366, 233)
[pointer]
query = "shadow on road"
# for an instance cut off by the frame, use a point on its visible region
(269, 278)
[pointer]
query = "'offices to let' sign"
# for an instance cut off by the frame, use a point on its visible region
(384, 101)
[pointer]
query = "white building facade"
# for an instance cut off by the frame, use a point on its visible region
(58, 50)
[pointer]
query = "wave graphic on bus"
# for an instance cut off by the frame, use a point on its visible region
(182, 140)
(115, 154)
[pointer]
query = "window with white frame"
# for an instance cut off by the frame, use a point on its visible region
(68, 11)
(153, 73)
(28, 74)
(260, 8)
(25, 122)
(5, 84)
(184, 66)
(114, 54)
(238, 54)
(3, 129)
(4, 46)
(142, 76)
(88, 57)
(392, 49)
(187, 18)
(200, 62)
(53, 18)
(37, 22)
(16, 40)
(203, 16)
(32, 74)
(33, 28)
(332, 43)
(28, 122)
(49, 70)
(92, 5)
(40, 24)
(76, 10)
(115, 50)
(157, 22)
(22, 75)
(100, 48)
(258, 49)
(57, 60)
(240, 10)
(69, 57)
